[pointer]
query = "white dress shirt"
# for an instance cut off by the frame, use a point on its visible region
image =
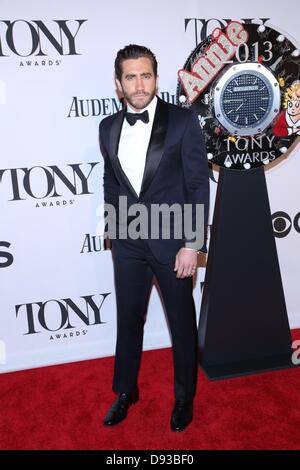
(133, 146)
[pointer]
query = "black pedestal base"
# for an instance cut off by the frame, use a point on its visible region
(254, 366)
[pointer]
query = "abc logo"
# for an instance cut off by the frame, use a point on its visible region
(283, 224)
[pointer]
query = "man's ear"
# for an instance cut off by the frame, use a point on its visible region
(119, 86)
(156, 82)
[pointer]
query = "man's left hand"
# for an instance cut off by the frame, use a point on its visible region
(185, 263)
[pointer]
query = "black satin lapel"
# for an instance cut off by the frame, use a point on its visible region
(115, 133)
(156, 144)
(114, 139)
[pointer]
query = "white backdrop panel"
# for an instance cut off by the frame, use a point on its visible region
(57, 299)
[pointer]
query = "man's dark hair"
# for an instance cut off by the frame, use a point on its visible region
(133, 51)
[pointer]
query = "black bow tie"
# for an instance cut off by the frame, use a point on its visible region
(133, 117)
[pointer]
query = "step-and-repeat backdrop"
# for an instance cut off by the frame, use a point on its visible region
(57, 301)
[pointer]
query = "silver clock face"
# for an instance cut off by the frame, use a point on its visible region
(246, 99)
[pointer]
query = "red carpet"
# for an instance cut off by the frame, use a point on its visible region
(61, 407)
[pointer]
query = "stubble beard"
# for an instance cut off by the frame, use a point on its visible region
(137, 103)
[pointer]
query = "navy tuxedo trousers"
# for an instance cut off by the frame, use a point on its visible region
(134, 267)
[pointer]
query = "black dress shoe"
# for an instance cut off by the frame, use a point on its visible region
(118, 410)
(182, 415)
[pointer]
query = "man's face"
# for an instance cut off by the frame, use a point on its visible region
(138, 83)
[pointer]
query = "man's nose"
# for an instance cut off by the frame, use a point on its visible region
(139, 84)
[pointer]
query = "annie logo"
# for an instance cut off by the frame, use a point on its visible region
(213, 59)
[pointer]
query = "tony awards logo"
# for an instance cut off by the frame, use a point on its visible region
(61, 318)
(33, 41)
(49, 182)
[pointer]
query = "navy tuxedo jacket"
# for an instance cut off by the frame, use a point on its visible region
(176, 169)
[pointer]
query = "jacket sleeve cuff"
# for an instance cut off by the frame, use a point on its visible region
(195, 247)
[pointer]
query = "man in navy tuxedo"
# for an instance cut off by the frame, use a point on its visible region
(153, 153)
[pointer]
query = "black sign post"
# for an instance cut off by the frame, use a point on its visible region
(243, 324)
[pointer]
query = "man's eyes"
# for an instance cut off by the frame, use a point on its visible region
(146, 76)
